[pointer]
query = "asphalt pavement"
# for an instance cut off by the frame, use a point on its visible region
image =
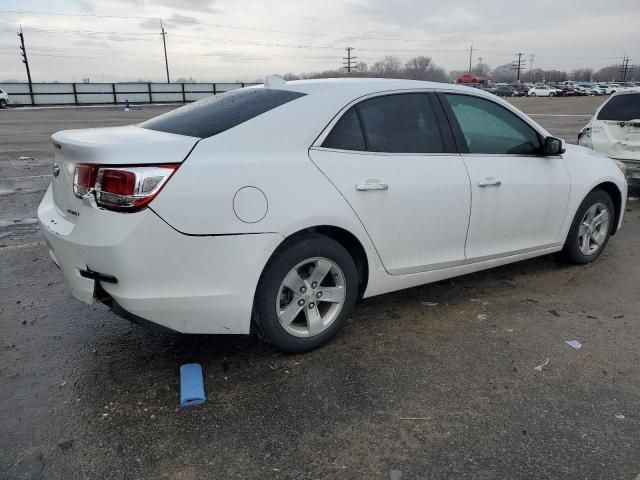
(466, 378)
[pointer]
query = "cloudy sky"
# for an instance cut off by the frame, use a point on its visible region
(229, 40)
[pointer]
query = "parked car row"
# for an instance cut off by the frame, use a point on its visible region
(561, 89)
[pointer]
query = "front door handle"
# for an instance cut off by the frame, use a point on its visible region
(365, 187)
(489, 182)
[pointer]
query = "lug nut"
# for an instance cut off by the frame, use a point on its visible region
(311, 305)
(314, 284)
(319, 294)
(303, 289)
(301, 302)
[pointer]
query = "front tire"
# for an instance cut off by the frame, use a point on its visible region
(3, 103)
(532, 94)
(306, 293)
(591, 228)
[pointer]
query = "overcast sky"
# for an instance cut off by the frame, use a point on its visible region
(229, 40)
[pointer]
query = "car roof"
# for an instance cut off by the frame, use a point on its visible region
(364, 86)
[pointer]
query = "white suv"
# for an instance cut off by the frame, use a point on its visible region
(614, 130)
(4, 99)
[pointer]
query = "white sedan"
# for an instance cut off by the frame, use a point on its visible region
(273, 209)
(543, 91)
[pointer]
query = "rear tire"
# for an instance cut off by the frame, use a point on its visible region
(305, 294)
(591, 228)
(532, 94)
(3, 103)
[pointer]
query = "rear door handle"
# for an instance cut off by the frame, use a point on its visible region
(365, 187)
(489, 182)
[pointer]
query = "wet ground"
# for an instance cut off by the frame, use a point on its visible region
(469, 378)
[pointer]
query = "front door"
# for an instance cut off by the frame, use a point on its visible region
(519, 196)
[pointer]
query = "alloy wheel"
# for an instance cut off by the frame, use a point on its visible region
(593, 229)
(311, 297)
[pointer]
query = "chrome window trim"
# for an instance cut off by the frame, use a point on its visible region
(317, 144)
(327, 129)
(385, 154)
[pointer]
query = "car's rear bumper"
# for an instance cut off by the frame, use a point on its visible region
(191, 284)
(632, 167)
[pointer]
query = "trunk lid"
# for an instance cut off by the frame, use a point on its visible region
(129, 145)
(623, 138)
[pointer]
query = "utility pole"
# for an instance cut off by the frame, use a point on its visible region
(164, 44)
(519, 65)
(470, 56)
(531, 58)
(624, 69)
(349, 61)
(25, 60)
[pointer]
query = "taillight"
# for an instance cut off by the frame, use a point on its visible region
(584, 137)
(121, 188)
(84, 177)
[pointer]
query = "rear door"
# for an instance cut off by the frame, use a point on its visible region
(520, 197)
(398, 168)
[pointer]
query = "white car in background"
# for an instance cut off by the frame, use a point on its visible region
(274, 208)
(543, 91)
(4, 99)
(607, 88)
(614, 130)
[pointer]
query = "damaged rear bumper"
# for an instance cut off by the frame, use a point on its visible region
(190, 284)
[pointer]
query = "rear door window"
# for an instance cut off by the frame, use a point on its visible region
(396, 123)
(210, 116)
(621, 108)
(401, 123)
(347, 133)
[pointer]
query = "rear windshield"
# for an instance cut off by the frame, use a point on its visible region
(213, 115)
(621, 108)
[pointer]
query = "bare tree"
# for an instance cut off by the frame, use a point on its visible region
(608, 74)
(503, 73)
(582, 74)
(481, 69)
(388, 67)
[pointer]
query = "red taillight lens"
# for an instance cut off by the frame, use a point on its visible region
(84, 178)
(130, 188)
(119, 182)
(121, 188)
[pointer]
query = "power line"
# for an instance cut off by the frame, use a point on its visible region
(217, 25)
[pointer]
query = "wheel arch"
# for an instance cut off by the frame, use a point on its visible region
(616, 196)
(348, 240)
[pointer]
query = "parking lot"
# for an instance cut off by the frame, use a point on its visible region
(465, 378)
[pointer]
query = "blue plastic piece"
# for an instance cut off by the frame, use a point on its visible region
(191, 385)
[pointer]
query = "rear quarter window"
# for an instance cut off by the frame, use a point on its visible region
(211, 116)
(621, 108)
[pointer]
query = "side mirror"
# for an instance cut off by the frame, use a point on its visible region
(553, 146)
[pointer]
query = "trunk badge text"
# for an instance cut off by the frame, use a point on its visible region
(56, 169)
